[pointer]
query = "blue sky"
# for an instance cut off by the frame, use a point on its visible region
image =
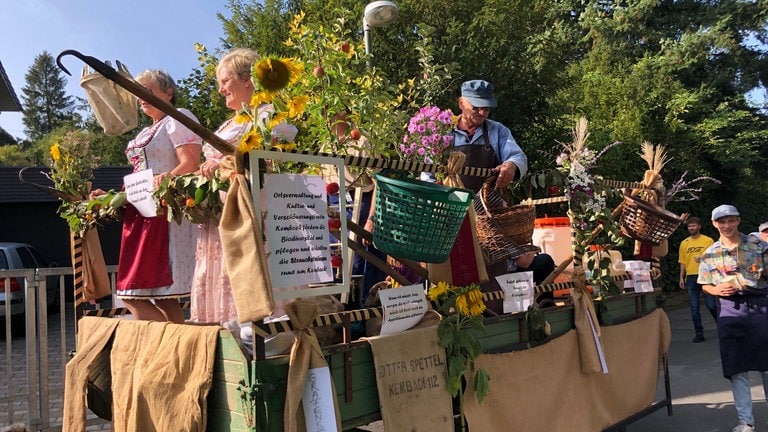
(142, 34)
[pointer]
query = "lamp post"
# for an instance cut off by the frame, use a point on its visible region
(377, 14)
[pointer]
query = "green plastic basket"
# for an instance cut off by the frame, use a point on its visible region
(417, 220)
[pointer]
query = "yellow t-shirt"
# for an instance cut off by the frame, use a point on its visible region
(691, 248)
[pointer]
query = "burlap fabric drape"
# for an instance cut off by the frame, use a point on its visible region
(90, 271)
(584, 311)
(444, 271)
(544, 390)
(243, 245)
(305, 354)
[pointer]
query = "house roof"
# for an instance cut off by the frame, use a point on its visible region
(8, 99)
(14, 191)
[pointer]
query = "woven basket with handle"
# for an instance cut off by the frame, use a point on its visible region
(515, 222)
(647, 222)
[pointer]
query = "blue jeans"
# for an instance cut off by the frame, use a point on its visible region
(694, 294)
(742, 395)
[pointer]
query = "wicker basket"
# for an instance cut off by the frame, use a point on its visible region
(515, 222)
(417, 220)
(494, 244)
(647, 222)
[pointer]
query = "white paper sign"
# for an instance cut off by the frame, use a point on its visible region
(317, 399)
(296, 223)
(518, 291)
(403, 308)
(641, 276)
(138, 190)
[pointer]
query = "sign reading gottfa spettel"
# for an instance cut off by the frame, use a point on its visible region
(296, 224)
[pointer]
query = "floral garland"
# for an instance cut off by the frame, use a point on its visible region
(591, 220)
(459, 331)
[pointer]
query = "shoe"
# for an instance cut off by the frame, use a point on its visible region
(699, 338)
(743, 427)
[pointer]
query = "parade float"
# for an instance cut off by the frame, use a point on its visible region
(439, 360)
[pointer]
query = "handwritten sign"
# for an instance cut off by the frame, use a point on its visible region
(641, 276)
(317, 399)
(518, 291)
(403, 308)
(138, 190)
(296, 225)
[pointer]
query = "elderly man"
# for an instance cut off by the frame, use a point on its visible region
(734, 269)
(486, 143)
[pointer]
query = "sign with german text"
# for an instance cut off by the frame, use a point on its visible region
(296, 224)
(403, 308)
(518, 291)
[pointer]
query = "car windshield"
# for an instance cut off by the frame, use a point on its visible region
(3, 261)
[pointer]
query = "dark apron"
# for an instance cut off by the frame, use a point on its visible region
(742, 326)
(483, 156)
(480, 156)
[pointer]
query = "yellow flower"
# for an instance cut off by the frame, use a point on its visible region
(285, 146)
(297, 105)
(462, 304)
(55, 152)
(242, 117)
(274, 74)
(277, 119)
(476, 304)
(252, 141)
(438, 291)
(260, 98)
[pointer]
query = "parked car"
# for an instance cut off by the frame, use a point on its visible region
(16, 256)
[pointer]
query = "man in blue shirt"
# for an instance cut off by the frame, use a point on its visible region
(486, 143)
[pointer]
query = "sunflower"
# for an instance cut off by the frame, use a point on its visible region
(55, 152)
(251, 141)
(438, 291)
(277, 119)
(475, 302)
(274, 74)
(297, 105)
(285, 146)
(242, 117)
(260, 98)
(462, 304)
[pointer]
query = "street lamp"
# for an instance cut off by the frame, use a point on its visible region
(377, 14)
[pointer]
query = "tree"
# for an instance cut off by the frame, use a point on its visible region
(46, 104)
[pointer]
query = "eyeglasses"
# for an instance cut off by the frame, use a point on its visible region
(477, 109)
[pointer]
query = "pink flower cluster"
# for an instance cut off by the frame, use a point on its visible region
(430, 133)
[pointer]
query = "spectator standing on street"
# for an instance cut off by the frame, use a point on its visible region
(690, 254)
(734, 269)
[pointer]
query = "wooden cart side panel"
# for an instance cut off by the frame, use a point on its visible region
(226, 411)
(362, 409)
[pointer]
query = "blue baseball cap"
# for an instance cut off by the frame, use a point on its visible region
(723, 211)
(479, 93)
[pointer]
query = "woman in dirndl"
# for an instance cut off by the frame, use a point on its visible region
(157, 259)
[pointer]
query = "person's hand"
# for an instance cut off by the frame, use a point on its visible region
(368, 227)
(506, 173)
(208, 168)
(682, 283)
(159, 178)
(96, 193)
(725, 290)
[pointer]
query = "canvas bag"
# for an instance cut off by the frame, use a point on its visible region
(115, 108)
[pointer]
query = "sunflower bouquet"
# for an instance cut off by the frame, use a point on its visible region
(72, 165)
(272, 105)
(459, 331)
